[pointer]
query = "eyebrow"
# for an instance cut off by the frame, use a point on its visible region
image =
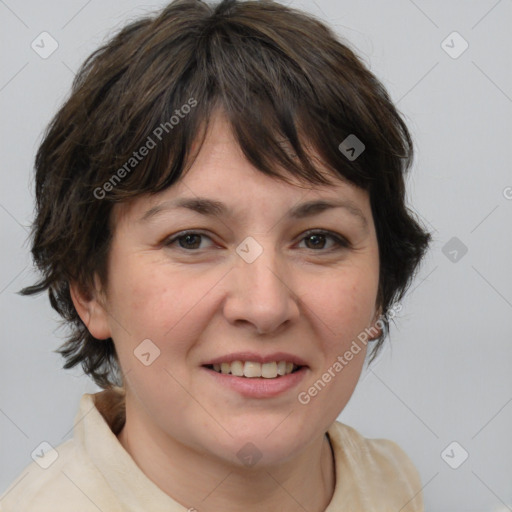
(213, 208)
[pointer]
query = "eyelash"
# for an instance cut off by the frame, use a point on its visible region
(341, 242)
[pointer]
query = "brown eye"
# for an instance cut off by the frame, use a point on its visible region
(187, 240)
(316, 240)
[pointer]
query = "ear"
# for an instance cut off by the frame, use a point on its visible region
(91, 308)
(377, 324)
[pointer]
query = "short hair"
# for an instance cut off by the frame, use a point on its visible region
(287, 85)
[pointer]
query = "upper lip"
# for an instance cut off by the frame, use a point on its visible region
(257, 358)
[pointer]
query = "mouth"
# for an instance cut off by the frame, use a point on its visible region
(254, 369)
(255, 376)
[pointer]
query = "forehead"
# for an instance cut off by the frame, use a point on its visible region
(222, 182)
(220, 151)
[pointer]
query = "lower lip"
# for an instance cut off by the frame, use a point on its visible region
(259, 387)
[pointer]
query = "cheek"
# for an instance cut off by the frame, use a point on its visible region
(151, 300)
(343, 305)
(156, 303)
(148, 297)
(340, 310)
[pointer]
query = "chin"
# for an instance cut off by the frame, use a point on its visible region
(266, 443)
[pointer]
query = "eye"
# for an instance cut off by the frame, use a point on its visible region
(315, 240)
(318, 238)
(187, 240)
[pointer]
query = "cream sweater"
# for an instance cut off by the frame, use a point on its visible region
(93, 472)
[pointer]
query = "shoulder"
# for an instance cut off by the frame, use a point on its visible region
(61, 476)
(50, 485)
(42, 482)
(382, 453)
(376, 467)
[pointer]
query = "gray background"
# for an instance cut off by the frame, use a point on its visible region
(445, 376)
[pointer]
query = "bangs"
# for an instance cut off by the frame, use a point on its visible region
(285, 120)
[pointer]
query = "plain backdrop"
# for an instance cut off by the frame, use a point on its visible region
(445, 375)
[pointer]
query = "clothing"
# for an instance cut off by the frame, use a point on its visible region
(94, 472)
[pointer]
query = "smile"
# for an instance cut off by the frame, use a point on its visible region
(253, 369)
(257, 386)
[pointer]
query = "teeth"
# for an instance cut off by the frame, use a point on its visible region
(237, 368)
(252, 369)
(281, 368)
(269, 370)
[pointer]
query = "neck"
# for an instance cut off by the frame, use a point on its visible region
(208, 484)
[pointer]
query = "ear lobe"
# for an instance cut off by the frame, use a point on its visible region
(377, 324)
(91, 310)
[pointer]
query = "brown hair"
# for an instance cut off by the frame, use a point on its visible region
(286, 83)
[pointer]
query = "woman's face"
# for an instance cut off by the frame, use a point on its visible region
(249, 280)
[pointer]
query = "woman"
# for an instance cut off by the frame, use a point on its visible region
(221, 221)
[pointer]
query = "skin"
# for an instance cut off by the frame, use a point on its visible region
(204, 301)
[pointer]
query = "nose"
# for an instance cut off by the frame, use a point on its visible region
(260, 294)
